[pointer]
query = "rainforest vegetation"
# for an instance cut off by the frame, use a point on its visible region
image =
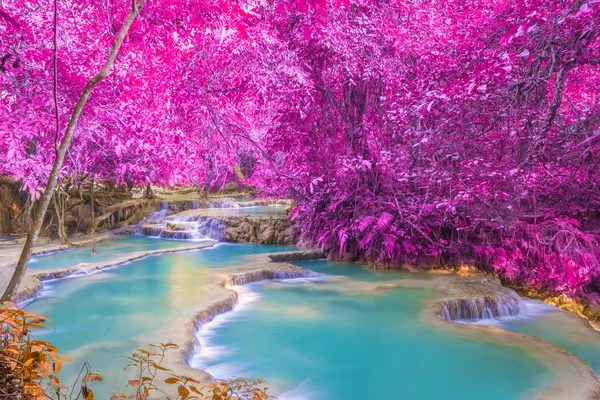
(407, 133)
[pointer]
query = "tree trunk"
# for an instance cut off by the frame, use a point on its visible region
(116, 208)
(559, 88)
(59, 207)
(149, 193)
(93, 202)
(61, 152)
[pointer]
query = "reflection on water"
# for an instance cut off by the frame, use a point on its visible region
(106, 251)
(103, 316)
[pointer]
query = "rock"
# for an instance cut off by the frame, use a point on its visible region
(467, 269)
(259, 229)
(297, 256)
(177, 206)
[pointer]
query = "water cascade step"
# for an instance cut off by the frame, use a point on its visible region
(159, 215)
(478, 308)
(196, 228)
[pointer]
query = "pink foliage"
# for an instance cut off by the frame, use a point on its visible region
(406, 132)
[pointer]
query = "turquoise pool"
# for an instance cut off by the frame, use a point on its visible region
(308, 338)
(310, 343)
(100, 317)
(106, 251)
(557, 326)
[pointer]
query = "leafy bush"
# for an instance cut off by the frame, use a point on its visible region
(29, 368)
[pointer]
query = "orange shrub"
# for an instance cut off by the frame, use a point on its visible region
(29, 368)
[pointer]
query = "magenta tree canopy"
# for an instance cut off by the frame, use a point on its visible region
(406, 132)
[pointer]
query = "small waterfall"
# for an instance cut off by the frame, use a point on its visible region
(211, 228)
(187, 228)
(158, 216)
(195, 205)
(270, 274)
(222, 306)
(205, 316)
(152, 230)
(485, 307)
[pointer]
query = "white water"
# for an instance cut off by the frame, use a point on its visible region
(208, 351)
(482, 308)
(190, 228)
(530, 310)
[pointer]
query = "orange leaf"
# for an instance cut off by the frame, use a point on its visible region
(183, 392)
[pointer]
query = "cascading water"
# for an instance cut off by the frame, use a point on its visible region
(195, 227)
(158, 216)
(212, 228)
(190, 228)
(487, 307)
(270, 274)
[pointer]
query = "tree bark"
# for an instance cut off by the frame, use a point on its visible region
(93, 202)
(559, 88)
(59, 207)
(27, 220)
(149, 193)
(61, 152)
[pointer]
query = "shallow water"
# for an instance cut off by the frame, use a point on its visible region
(557, 326)
(106, 251)
(327, 344)
(101, 317)
(254, 210)
(308, 338)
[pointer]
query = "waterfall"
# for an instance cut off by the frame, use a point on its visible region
(212, 228)
(158, 216)
(186, 228)
(152, 230)
(270, 274)
(486, 307)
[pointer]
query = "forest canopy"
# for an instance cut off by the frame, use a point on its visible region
(406, 132)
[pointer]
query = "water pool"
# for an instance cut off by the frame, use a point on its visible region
(100, 317)
(310, 339)
(560, 327)
(310, 343)
(253, 210)
(106, 251)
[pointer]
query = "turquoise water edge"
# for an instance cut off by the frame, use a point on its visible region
(308, 338)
